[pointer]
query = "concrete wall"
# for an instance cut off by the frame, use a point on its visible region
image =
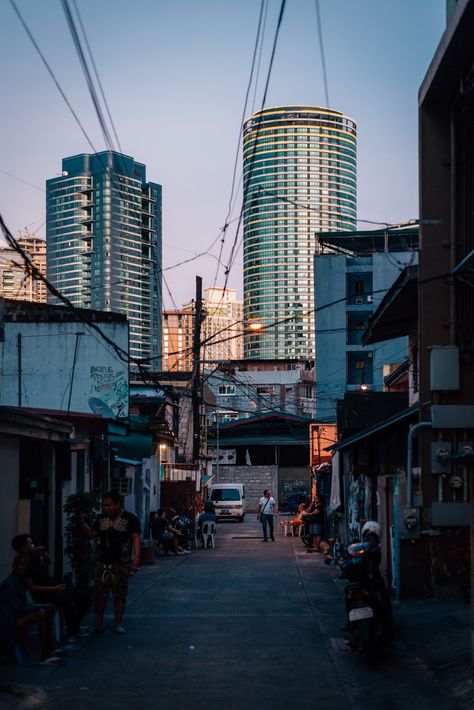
(293, 479)
(47, 363)
(255, 479)
(9, 476)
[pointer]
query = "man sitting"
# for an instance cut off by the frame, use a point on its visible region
(207, 515)
(18, 615)
(166, 535)
(74, 603)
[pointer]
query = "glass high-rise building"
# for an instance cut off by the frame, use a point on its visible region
(299, 178)
(104, 245)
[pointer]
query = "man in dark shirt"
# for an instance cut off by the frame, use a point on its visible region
(117, 531)
(18, 615)
(74, 603)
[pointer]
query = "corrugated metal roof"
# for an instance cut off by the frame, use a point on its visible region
(366, 433)
(146, 391)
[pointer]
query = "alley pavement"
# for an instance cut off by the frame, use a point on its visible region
(250, 625)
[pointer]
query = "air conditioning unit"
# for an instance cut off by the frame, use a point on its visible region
(370, 299)
(359, 301)
(122, 486)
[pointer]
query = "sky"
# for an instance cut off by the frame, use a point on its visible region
(175, 75)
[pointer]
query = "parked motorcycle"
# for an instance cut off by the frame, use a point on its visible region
(368, 606)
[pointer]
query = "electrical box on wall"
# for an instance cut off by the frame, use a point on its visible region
(440, 455)
(409, 523)
(444, 367)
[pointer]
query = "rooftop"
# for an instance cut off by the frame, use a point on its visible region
(29, 312)
(360, 243)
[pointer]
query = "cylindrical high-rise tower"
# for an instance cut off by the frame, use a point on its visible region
(299, 178)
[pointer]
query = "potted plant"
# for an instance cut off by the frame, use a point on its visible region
(78, 548)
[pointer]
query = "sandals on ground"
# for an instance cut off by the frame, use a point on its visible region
(53, 661)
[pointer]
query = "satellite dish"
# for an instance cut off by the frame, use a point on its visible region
(100, 407)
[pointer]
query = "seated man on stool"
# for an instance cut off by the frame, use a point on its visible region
(18, 615)
(166, 535)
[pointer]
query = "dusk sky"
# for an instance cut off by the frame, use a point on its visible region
(175, 75)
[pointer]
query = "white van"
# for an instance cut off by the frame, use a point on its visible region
(229, 500)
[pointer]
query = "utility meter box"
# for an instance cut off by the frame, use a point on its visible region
(409, 523)
(440, 456)
(444, 367)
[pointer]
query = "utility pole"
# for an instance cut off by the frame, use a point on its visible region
(196, 378)
(218, 450)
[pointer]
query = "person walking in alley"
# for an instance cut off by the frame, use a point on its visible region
(266, 511)
(117, 532)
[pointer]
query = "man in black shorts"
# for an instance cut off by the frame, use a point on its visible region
(117, 532)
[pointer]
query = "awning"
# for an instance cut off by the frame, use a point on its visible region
(134, 446)
(397, 311)
(409, 413)
(131, 462)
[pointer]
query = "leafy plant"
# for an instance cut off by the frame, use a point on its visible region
(78, 548)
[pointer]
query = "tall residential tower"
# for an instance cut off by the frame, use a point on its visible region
(299, 178)
(103, 234)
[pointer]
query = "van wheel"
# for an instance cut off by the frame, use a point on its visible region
(241, 519)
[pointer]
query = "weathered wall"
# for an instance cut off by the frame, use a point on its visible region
(255, 480)
(293, 479)
(52, 370)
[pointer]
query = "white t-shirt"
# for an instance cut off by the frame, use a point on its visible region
(267, 505)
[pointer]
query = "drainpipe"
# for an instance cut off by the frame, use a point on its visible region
(396, 537)
(453, 215)
(411, 434)
(409, 502)
(20, 371)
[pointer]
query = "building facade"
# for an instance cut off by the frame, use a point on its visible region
(299, 178)
(177, 346)
(104, 245)
(222, 330)
(16, 281)
(353, 271)
(50, 359)
(246, 388)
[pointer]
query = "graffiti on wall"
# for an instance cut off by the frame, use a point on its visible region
(109, 391)
(358, 505)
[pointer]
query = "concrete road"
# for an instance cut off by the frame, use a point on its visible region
(248, 625)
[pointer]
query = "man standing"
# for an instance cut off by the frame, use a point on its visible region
(266, 511)
(117, 532)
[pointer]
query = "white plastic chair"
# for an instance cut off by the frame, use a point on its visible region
(208, 532)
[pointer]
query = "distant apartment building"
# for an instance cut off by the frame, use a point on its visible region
(16, 280)
(246, 388)
(222, 330)
(299, 178)
(177, 333)
(103, 230)
(353, 271)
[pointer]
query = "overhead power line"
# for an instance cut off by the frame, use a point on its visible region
(94, 66)
(321, 47)
(252, 157)
(52, 75)
(87, 74)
